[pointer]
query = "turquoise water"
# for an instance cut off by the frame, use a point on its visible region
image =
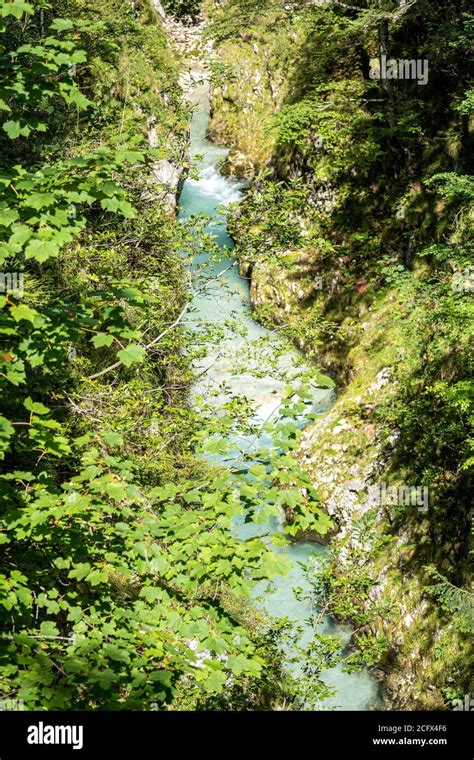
(250, 360)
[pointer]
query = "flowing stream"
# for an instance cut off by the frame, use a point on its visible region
(254, 362)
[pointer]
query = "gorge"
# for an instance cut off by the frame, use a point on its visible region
(236, 427)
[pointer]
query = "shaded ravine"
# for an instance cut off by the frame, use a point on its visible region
(234, 366)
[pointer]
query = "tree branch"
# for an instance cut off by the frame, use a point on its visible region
(115, 365)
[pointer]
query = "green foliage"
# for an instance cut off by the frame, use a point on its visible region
(457, 603)
(119, 555)
(362, 219)
(90, 617)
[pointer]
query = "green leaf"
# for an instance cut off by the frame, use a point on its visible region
(8, 216)
(237, 664)
(35, 406)
(110, 204)
(16, 8)
(48, 628)
(114, 204)
(96, 577)
(116, 490)
(113, 439)
(40, 200)
(41, 250)
(15, 130)
(61, 24)
(324, 381)
(22, 311)
(215, 681)
(20, 234)
(116, 653)
(6, 430)
(102, 339)
(80, 571)
(131, 354)
(323, 523)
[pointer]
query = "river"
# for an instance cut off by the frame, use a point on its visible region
(255, 362)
